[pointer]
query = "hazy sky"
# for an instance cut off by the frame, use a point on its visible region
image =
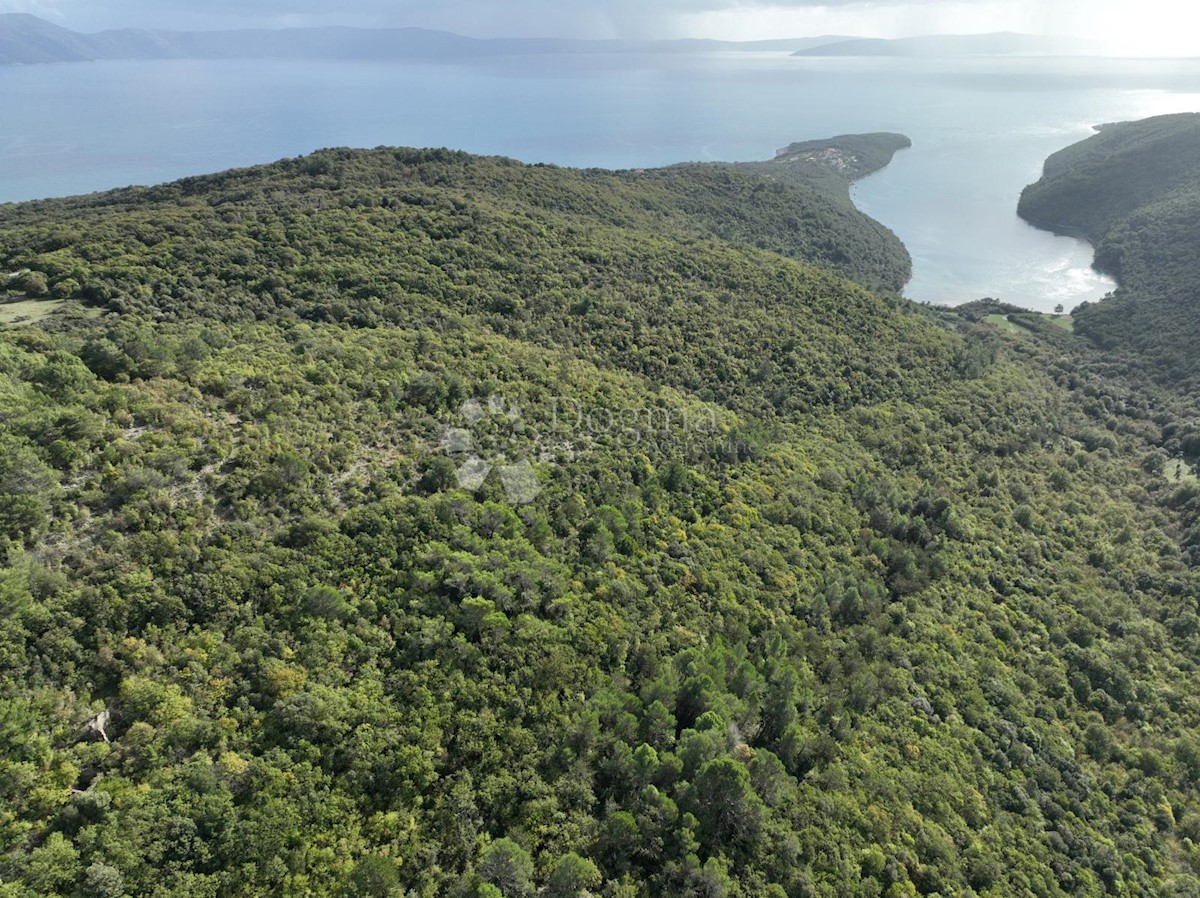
(1132, 26)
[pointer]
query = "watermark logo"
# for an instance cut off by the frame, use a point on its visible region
(497, 419)
(492, 435)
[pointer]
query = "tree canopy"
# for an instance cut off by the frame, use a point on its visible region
(821, 593)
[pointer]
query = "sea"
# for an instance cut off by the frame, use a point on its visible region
(981, 129)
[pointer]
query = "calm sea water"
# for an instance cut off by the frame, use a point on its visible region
(980, 128)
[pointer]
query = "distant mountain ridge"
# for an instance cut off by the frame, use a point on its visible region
(1002, 43)
(27, 40)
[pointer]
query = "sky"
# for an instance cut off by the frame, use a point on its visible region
(1136, 27)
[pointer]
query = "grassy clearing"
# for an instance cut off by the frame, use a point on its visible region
(1022, 324)
(28, 311)
(32, 311)
(1002, 322)
(1179, 471)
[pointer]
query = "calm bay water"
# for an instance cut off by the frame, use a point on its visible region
(980, 128)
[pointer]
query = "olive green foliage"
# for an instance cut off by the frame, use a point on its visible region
(1134, 191)
(823, 593)
(832, 165)
(850, 242)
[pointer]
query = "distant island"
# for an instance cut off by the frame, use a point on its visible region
(29, 40)
(939, 45)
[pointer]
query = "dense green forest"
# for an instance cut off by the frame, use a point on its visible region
(859, 247)
(819, 593)
(1133, 190)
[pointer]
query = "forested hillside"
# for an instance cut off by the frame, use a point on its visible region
(812, 591)
(858, 246)
(1134, 191)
